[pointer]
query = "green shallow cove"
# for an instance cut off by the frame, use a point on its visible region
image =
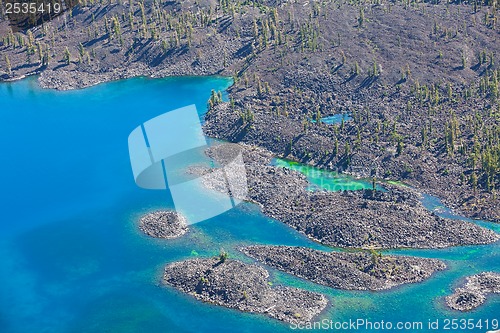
(326, 180)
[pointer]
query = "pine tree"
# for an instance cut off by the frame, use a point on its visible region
(375, 69)
(67, 56)
(399, 149)
(347, 152)
(347, 149)
(424, 137)
(361, 18)
(8, 65)
(473, 181)
(117, 29)
(356, 70)
(81, 50)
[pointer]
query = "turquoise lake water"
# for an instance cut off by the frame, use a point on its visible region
(72, 259)
(335, 119)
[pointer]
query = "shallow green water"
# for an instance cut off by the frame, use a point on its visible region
(74, 261)
(326, 180)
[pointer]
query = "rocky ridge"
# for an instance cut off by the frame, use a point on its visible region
(345, 270)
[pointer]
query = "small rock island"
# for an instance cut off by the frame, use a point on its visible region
(165, 224)
(346, 270)
(245, 287)
(473, 293)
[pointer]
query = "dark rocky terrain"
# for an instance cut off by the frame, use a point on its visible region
(163, 224)
(350, 219)
(419, 79)
(345, 270)
(241, 286)
(474, 291)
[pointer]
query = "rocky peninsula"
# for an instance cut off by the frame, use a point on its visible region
(345, 270)
(474, 291)
(393, 218)
(245, 287)
(165, 224)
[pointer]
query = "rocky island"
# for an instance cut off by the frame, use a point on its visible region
(163, 224)
(345, 270)
(245, 287)
(474, 291)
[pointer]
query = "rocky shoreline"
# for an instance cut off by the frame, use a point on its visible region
(366, 219)
(344, 270)
(164, 224)
(474, 291)
(245, 287)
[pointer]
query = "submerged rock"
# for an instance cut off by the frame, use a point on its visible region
(342, 270)
(473, 293)
(234, 284)
(163, 224)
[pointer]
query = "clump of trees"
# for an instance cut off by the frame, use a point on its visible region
(215, 99)
(223, 255)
